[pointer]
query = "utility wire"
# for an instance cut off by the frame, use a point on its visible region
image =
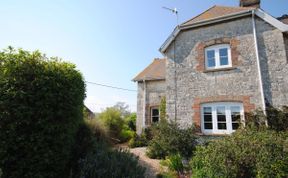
(109, 86)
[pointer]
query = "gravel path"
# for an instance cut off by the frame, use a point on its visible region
(152, 165)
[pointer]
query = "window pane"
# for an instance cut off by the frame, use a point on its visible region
(211, 62)
(223, 60)
(211, 54)
(207, 118)
(235, 110)
(235, 126)
(210, 58)
(222, 126)
(223, 52)
(155, 112)
(155, 119)
(221, 118)
(208, 126)
(235, 113)
(207, 110)
(221, 110)
(235, 118)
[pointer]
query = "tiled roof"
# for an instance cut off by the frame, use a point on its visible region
(216, 11)
(283, 19)
(155, 71)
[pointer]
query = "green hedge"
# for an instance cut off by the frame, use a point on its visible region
(41, 103)
(247, 153)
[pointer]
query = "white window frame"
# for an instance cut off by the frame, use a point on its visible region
(217, 48)
(228, 106)
(151, 110)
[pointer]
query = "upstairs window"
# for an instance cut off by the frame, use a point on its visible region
(218, 56)
(221, 118)
(155, 115)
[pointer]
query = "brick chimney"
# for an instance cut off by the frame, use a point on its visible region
(250, 3)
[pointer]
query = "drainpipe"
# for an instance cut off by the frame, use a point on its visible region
(144, 105)
(258, 64)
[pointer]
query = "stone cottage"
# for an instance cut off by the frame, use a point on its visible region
(218, 65)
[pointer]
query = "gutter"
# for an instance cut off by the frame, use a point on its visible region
(169, 40)
(258, 63)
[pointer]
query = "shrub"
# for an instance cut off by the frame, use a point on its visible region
(104, 162)
(175, 164)
(138, 141)
(130, 121)
(126, 134)
(97, 129)
(278, 118)
(112, 119)
(41, 103)
(169, 139)
(247, 153)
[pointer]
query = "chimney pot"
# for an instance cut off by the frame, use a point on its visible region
(250, 3)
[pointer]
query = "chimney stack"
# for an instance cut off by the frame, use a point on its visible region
(250, 3)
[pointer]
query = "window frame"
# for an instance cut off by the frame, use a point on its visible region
(216, 49)
(151, 114)
(228, 116)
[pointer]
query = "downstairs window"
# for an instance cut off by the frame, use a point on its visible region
(221, 118)
(155, 115)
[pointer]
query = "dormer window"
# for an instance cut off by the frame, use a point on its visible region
(218, 56)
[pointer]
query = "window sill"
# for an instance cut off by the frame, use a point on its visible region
(220, 69)
(216, 135)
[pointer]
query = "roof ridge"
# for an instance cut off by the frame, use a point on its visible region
(235, 7)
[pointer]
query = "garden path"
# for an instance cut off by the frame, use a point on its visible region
(152, 165)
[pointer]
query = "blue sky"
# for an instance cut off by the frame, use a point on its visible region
(110, 41)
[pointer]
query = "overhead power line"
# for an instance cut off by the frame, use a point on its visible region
(109, 86)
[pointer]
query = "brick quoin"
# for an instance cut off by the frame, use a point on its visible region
(233, 42)
(248, 106)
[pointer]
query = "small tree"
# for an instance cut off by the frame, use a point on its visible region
(123, 108)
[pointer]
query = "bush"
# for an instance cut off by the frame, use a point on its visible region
(247, 153)
(97, 129)
(41, 103)
(130, 121)
(277, 119)
(174, 163)
(169, 139)
(104, 162)
(138, 141)
(126, 134)
(112, 120)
